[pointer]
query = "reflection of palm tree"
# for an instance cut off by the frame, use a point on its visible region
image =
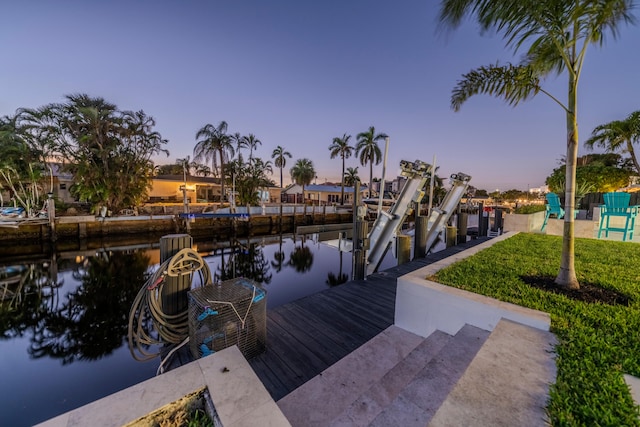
(246, 261)
(335, 280)
(278, 257)
(301, 259)
(92, 322)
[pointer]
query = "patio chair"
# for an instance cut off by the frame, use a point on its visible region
(617, 205)
(553, 208)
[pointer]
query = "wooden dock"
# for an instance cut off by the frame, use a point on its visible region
(306, 336)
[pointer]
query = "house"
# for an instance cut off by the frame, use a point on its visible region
(200, 189)
(319, 194)
(62, 182)
(168, 188)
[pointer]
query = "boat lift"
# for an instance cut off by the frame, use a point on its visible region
(388, 224)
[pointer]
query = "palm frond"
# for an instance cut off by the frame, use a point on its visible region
(512, 83)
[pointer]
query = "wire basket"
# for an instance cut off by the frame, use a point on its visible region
(233, 312)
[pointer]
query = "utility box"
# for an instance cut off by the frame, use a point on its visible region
(232, 312)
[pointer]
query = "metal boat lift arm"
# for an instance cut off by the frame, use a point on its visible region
(388, 223)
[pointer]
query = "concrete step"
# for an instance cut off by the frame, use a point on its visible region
(325, 397)
(419, 401)
(506, 384)
(380, 395)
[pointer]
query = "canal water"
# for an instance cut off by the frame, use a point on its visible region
(64, 315)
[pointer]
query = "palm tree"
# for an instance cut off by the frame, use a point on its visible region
(340, 147)
(558, 34)
(351, 176)
(239, 142)
(214, 140)
(252, 143)
(618, 135)
(368, 151)
(302, 173)
(279, 157)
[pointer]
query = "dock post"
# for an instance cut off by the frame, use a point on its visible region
(174, 292)
(403, 248)
(420, 238)
(462, 227)
(51, 216)
(360, 233)
(451, 236)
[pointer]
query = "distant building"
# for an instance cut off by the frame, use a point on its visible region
(320, 194)
(200, 189)
(62, 182)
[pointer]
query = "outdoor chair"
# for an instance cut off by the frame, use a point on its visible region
(617, 205)
(553, 208)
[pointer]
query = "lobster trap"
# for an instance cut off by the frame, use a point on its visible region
(232, 312)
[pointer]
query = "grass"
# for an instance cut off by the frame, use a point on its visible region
(597, 342)
(188, 411)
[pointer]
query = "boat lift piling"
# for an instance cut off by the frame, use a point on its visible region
(360, 232)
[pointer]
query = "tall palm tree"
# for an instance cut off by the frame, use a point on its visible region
(212, 140)
(618, 135)
(557, 34)
(252, 143)
(368, 151)
(340, 147)
(302, 173)
(279, 157)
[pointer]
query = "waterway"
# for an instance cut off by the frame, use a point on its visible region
(64, 314)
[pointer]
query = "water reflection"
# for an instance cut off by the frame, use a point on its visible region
(244, 260)
(301, 259)
(90, 321)
(64, 314)
(340, 278)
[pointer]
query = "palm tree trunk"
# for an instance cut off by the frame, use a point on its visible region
(281, 177)
(632, 153)
(221, 175)
(567, 274)
(370, 176)
(342, 183)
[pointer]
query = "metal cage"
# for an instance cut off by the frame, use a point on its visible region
(232, 312)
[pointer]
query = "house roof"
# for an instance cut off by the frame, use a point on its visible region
(325, 188)
(190, 178)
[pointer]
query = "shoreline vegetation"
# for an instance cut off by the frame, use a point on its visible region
(599, 337)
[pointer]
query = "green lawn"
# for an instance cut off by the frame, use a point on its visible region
(597, 342)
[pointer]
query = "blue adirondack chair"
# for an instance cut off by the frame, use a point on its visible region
(617, 205)
(553, 208)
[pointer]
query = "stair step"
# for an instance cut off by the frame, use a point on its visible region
(507, 384)
(420, 400)
(369, 405)
(324, 397)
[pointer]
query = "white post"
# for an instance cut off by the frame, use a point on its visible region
(384, 168)
(433, 174)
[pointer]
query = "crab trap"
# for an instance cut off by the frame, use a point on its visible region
(232, 312)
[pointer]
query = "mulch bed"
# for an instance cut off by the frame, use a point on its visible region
(588, 292)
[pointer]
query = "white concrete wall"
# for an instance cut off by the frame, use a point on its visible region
(423, 306)
(524, 223)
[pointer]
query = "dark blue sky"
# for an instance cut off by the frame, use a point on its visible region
(299, 73)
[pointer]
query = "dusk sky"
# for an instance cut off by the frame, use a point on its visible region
(299, 73)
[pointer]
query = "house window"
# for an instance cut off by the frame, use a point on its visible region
(63, 186)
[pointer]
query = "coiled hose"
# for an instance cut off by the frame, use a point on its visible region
(147, 315)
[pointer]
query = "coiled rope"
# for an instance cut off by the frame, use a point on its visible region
(147, 315)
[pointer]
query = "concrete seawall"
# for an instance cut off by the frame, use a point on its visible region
(90, 227)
